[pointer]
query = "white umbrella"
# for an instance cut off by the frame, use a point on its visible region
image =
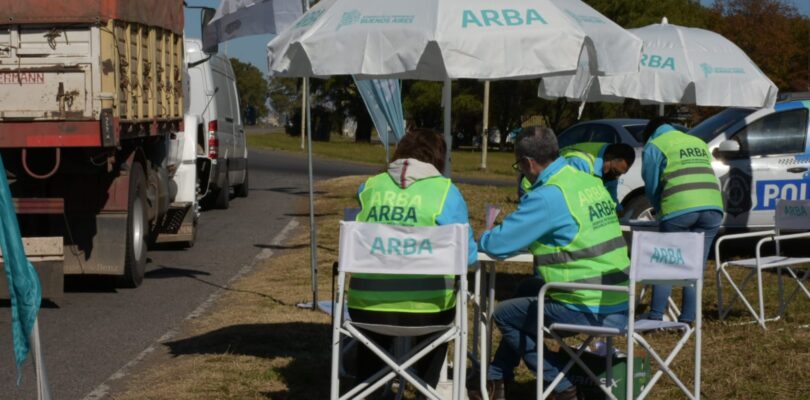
(679, 65)
(237, 18)
(449, 39)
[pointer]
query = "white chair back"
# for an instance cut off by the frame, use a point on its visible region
(671, 256)
(388, 249)
(792, 215)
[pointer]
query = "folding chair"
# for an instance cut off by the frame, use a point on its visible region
(387, 249)
(656, 258)
(790, 215)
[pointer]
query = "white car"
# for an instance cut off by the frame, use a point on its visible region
(760, 156)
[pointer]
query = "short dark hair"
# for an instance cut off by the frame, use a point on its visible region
(621, 151)
(652, 126)
(426, 145)
(538, 143)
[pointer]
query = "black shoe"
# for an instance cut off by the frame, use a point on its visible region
(495, 389)
(567, 394)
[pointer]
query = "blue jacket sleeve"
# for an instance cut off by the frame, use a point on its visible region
(455, 212)
(613, 188)
(542, 212)
(579, 164)
(653, 162)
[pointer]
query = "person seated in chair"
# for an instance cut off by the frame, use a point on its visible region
(568, 222)
(412, 192)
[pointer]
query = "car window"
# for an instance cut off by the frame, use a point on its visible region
(602, 133)
(577, 134)
(709, 128)
(635, 131)
(779, 133)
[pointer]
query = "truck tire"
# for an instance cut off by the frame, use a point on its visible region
(222, 201)
(242, 190)
(137, 229)
(637, 205)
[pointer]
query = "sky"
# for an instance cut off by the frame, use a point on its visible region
(252, 49)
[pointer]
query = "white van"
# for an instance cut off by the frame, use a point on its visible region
(213, 97)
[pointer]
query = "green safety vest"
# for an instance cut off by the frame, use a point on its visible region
(688, 181)
(586, 151)
(592, 148)
(385, 202)
(598, 252)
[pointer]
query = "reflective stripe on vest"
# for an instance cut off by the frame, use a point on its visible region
(688, 181)
(384, 201)
(597, 253)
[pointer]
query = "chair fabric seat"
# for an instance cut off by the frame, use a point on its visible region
(646, 325)
(641, 326)
(396, 330)
(769, 262)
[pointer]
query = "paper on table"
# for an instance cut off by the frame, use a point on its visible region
(492, 213)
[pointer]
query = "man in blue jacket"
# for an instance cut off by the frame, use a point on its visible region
(568, 222)
(681, 185)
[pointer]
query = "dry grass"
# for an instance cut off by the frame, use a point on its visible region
(255, 344)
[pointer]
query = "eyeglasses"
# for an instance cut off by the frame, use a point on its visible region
(516, 165)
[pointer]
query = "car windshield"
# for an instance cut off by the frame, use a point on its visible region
(714, 125)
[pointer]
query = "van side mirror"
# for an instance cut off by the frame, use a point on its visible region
(729, 147)
(206, 15)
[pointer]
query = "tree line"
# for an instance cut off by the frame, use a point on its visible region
(772, 32)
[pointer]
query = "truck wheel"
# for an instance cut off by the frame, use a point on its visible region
(636, 206)
(242, 190)
(223, 198)
(137, 229)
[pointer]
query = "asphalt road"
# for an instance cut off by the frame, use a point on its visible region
(93, 331)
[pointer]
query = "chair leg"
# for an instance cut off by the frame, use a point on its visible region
(739, 293)
(663, 364)
(761, 299)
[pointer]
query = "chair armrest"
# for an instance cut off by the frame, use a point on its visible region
(721, 239)
(774, 238)
(792, 236)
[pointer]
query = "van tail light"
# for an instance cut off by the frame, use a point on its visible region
(213, 142)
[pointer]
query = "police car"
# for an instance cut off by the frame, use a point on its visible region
(759, 155)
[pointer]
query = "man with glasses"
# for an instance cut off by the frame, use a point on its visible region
(567, 220)
(606, 161)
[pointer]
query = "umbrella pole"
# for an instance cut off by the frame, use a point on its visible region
(485, 137)
(304, 102)
(447, 93)
(313, 240)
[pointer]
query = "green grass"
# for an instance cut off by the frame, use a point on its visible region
(465, 162)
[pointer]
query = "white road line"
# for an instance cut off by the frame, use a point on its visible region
(101, 391)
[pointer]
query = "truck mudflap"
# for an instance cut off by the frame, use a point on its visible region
(106, 252)
(46, 254)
